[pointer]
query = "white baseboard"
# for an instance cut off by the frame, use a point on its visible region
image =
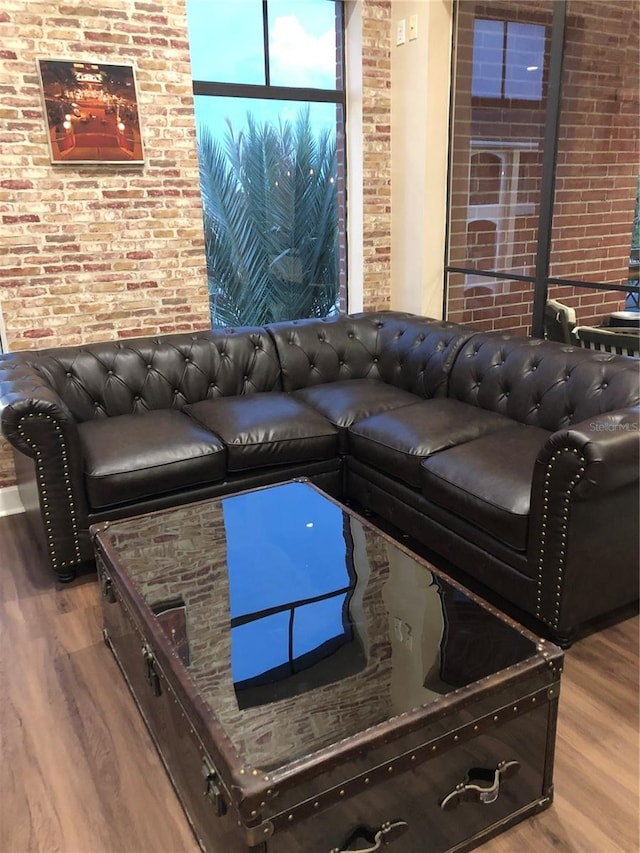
(10, 502)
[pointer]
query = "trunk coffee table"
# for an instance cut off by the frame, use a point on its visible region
(313, 686)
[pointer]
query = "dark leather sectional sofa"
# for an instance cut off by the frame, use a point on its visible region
(514, 459)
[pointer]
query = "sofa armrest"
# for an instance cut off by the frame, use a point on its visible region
(608, 446)
(25, 395)
(37, 422)
(585, 480)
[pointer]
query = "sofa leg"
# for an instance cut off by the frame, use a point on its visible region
(66, 576)
(565, 641)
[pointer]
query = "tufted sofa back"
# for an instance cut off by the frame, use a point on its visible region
(542, 383)
(412, 353)
(167, 372)
(316, 351)
(417, 354)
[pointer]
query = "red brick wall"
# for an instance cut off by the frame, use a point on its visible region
(97, 251)
(596, 171)
(598, 157)
(376, 126)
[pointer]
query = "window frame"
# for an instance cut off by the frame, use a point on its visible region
(507, 101)
(337, 96)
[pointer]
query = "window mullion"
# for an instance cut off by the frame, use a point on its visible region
(505, 40)
(265, 35)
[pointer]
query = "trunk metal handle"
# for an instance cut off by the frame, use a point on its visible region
(480, 785)
(388, 831)
(150, 671)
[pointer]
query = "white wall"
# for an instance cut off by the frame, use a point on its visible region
(10, 502)
(420, 78)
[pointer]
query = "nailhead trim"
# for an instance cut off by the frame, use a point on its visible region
(554, 621)
(42, 488)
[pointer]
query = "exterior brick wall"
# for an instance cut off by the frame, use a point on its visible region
(96, 252)
(596, 170)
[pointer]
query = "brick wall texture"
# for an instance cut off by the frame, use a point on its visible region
(597, 169)
(97, 252)
(376, 126)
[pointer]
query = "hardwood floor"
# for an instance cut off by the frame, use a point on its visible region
(79, 773)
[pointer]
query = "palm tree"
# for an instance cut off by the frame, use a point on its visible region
(270, 221)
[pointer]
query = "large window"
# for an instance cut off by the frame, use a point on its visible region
(269, 101)
(544, 162)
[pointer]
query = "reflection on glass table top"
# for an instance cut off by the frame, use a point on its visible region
(284, 605)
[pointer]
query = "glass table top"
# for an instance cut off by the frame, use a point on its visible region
(299, 623)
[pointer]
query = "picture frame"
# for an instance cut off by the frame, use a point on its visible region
(91, 112)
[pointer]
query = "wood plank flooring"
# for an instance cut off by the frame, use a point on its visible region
(79, 773)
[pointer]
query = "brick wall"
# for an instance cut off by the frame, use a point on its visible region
(96, 252)
(596, 169)
(376, 126)
(598, 155)
(105, 250)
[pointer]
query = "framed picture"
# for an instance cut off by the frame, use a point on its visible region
(91, 110)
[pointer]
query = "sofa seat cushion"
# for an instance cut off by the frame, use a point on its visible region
(398, 441)
(488, 481)
(351, 400)
(129, 457)
(264, 429)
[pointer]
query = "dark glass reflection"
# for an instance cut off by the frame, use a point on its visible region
(282, 606)
(291, 627)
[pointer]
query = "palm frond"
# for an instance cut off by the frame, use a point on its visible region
(270, 216)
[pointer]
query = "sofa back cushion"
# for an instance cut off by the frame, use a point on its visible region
(410, 352)
(127, 376)
(542, 383)
(316, 351)
(417, 353)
